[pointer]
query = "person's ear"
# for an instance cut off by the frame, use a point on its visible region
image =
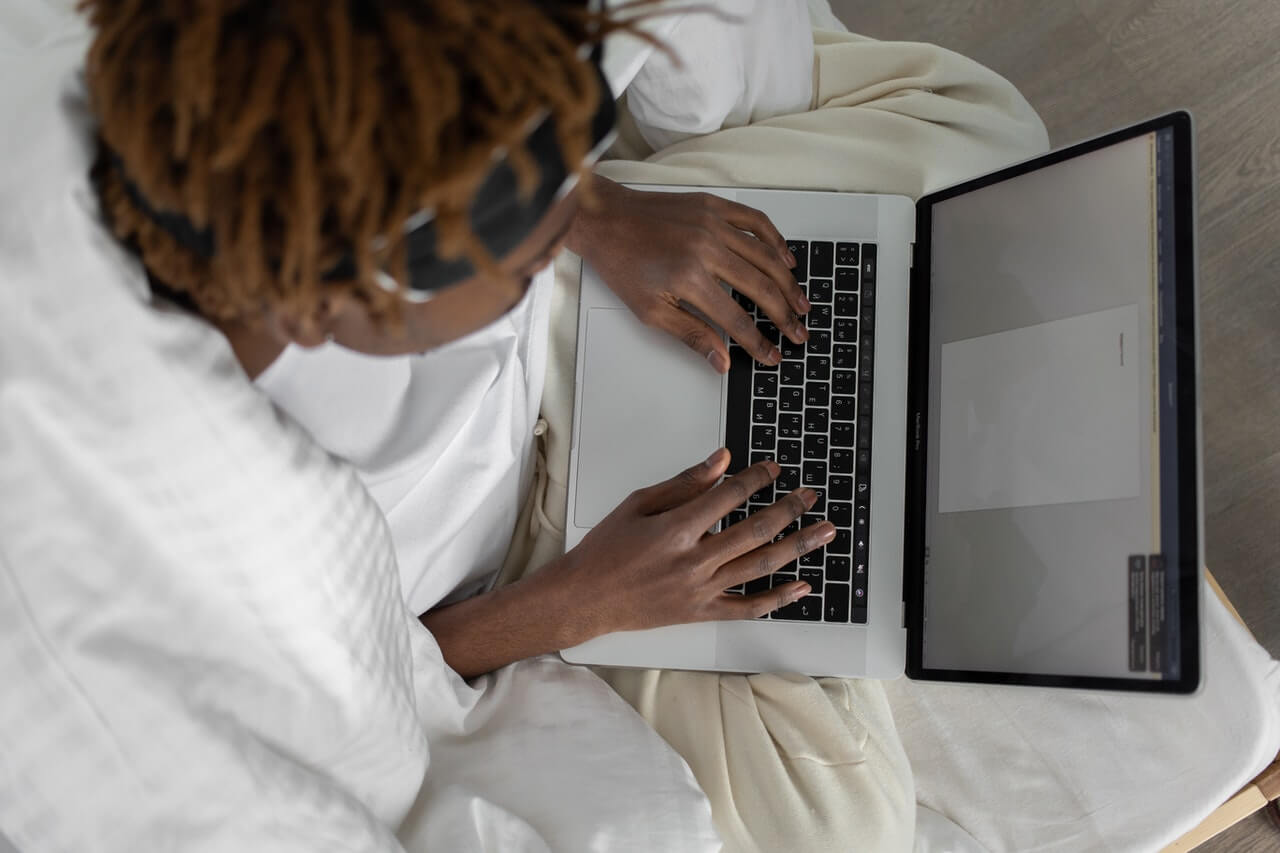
(308, 328)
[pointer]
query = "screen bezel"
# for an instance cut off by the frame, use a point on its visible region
(1188, 426)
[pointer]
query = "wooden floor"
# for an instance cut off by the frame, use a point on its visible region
(1090, 65)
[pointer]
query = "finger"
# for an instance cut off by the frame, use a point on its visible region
(697, 335)
(763, 290)
(741, 326)
(749, 219)
(755, 606)
(762, 257)
(683, 487)
(767, 559)
(733, 492)
(760, 528)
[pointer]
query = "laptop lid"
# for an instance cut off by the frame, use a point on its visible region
(1053, 515)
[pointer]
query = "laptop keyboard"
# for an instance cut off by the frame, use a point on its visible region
(812, 415)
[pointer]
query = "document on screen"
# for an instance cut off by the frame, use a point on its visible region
(1044, 414)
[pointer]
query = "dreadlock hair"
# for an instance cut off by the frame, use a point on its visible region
(300, 131)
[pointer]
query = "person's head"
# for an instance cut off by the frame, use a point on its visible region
(266, 157)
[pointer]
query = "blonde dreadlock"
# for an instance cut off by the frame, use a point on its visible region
(298, 131)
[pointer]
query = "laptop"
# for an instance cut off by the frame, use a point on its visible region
(998, 404)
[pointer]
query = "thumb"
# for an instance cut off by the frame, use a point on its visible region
(683, 487)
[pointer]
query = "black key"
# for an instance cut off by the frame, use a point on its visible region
(819, 290)
(736, 516)
(847, 305)
(864, 403)
(840, 488)
(788, 453)
(807, 609)
(841, 543)
(862, 518)
(845, 357)
(790, 425)
(764, 496)
(868, 341)
(868, 293)
(743, 300)
(764, 411)
(758, 456)
(868, 315)
(738, 409)
(820, 342)
(792, 373)
(860, 569)
(837, 568)
(844, 382)
(840, 513)
(817, 368)
(810, 561)
(819, 503)
(841, 459)
(800, 248)
(847, 254)
(788, 479)
(821, 258)
(758, 585)
(841, 435)
(791, 399)
(863, 461)
(770, 332)
(864, 487)
(812, 517)
(786, 574)
(815, 446)
(843, 409)
(835, 603)
(814, 474)
(868, 262)
(864, 437)
(846, 331)
(817, 394)
(865, 363)
(860, 600)
(815, 420)
(765, 384)
(763, 437)
(846, 281)
(858, 615)
(859, 549)
(811, 576)
(819, 317)
(790, 349)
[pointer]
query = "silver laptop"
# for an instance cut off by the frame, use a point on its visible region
(997, 402)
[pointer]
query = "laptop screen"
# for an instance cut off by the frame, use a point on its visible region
(1057, 492)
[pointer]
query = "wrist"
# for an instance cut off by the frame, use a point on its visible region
(590, 225)
(565, 613)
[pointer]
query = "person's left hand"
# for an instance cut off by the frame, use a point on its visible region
(667, 253)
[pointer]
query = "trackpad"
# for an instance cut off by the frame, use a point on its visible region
(650, 407)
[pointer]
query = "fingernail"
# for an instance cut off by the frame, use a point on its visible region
(828, 533)
(802, 592)
(805, 304)
(774, 355)
(715, 454)
(718, 360)
(791, 256)
(802, 333)
(772, 467)
(813, 496)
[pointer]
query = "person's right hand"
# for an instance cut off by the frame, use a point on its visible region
(651, 562)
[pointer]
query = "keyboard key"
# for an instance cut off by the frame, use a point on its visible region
(819, 504)
(792, 373)
(819, 317)
(817, 394)
(863, 487)
(815, 420)
(814, 473)
(837, 567)
(819, 290)
(844, 382)
(841, 459)
(841, 543)
(815, 446)
(865, 362)
(812, 576)
(863, 461)
(846, 331)
(784, 575)
(840, 489)
(868, 315)
(810, 561)
(847, 254)
(758, 585)
(817, 368)
(862, 518)
(860, 548)
(835, 603)
(846, 305)
(840, 513)
(800, 248)
(868, 340)
(864, 404)
(764, 496)
(788, 453)
(841, 435)
(743, 300)
(788, 478)
(821, 258)
(790, 349)
(846, 281)
(843, 409)
(790, 399)
(864, 438)
(807, 609)
(868, 262)
(770, 332)
(736, 516)
(758, 456)
(857, 615)
(764, 411)
(790, 425)
(820, 342)
(868, 293)
(765, 384)
(860, 598)
(845, 357)
(763, 437)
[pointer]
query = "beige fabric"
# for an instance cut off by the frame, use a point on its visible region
(793, 763)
